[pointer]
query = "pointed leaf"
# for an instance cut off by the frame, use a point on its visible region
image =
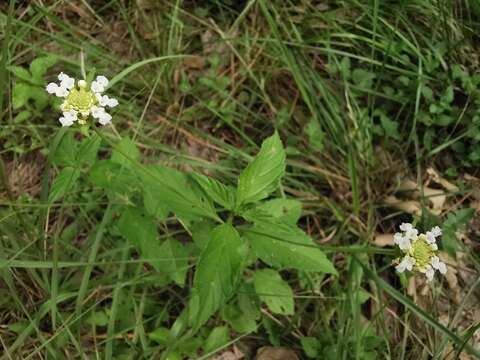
(63, 183)
(274, 291)
(221, 194)
(218, 271)
(281, 245)
(262, 175)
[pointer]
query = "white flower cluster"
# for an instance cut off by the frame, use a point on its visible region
(82, 100)
(420, 251)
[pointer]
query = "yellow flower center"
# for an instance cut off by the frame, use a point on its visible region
(422, 252)
(80, 100)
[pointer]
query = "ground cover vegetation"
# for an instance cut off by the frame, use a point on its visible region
(240, 179)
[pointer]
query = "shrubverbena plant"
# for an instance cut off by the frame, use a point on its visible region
(231, 227)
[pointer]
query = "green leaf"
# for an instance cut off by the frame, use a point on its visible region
(455, 222)
(154, 204)
(221, 194)
(20, 95)
(87, 152)
(287, 211)
(280, 245)
(274, 291)
(20, 73)
(218, 337)
(62, 184)
(176, 192)
(218, 271)
(113, 177)
(315, 135)
(243, 312)
(175, 262)
(311, 346)
(160, 335)
(40, 66)
(140, 231)
(262, 175)
(201, 232)
(66, 151)
(125, 151)
(22, 116)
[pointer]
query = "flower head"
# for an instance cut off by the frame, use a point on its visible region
(420, 251)
(82, 100)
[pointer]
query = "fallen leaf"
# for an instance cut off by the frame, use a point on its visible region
(383, 240)
(276, 353)
(409, 206)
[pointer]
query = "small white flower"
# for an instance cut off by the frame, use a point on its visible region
(104, 100)
(82, 101)
(429, 273)
(439, 265)
(402, 241)
(68, 118)
(100, 114)
(406, 264)
(410, 232)
(66, 81)
(99, 84)
(436, 231)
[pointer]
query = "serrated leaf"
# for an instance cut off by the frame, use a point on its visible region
(287, 211)
(177, 193)
(20, 73)
(66, 151)
(20, 95)
(217, 338)
(113, 177)
(140, 231)
(262, 175)
(87, 152)
(274, 291)
(175, 262)
(223, 195)
(154, 204)
(40, 66)
(125, 151)
(218, 271)
(281, 245)
(63, 183)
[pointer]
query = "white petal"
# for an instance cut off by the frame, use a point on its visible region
(406, 264)
(112, 102)
(429, 235)
(105, 119)
(66, 81)
(106, 101)
(100, 114)
(397, 238)
(435, 260)
(406, 227)
(405, 244)
(434, 246)
(429, 273)
(96, 87)
(62, 91)
(52, 88)
(70, 115)
(442, 267)
(436, 231)
(65, 122)
(102, 80)
(400, 267)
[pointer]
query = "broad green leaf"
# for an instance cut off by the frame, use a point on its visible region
(125, 151)
(201, 232)
(39, 67)
(20, 95)
(281, 245)
(262, 176)
(218, 337)
(140, 231)
(218, 271)
(40, 97)
(175, 263)
(221, 194)
(87, 152)
(455, 222)
(311, 346)
(66, 151)
(22, 116)
(243, 312)
(274, 291)
(154, 204)
(176, 192)
(287, 211)
(113, 177)
(21, 73)
(63, 183)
